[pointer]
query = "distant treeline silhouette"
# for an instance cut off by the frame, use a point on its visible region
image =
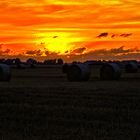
(60, 61)
(31, 61)
(75, 71)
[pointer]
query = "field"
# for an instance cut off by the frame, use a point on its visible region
(40, 104)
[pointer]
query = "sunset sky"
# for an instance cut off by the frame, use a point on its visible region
(72, 30)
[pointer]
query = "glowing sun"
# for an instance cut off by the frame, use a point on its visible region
(58, 42)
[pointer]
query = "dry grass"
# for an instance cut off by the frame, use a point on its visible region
(40, 104)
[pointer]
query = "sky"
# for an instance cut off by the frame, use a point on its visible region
(72, 30)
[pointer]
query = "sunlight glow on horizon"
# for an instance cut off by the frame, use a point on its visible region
(58, 42)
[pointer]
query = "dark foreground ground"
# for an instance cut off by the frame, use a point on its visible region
(40, 104)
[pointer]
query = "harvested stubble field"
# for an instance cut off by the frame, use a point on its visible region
(40, 104)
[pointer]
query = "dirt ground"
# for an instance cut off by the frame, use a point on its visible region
(40, 104)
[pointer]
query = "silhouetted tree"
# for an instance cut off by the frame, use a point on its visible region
(60, 61)
(32, 62)
(9, 61)
(18, 63)
(50, 62)
(2, 60)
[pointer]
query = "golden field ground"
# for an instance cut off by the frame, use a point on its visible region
(40, 104)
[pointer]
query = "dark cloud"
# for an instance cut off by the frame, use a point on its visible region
(131, 56)
(115, 51)
(102, 35)
(1, 46)
(47, 52)
(79, 54)
(5, 52)
(121, 35)
(103, 54)
(51, 54)
(121, 50)
(125, 35)
(34, 52)
(78, 50)
(114, 35)
(66, 51)
(40, 53)
(55, 36)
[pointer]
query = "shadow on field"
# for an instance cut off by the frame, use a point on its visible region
(42, 104)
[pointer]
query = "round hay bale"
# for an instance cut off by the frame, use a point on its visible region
(60, 61)
(110, 71)
(5, 72)
(78, 72)
(65, 68)
(131, 67)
